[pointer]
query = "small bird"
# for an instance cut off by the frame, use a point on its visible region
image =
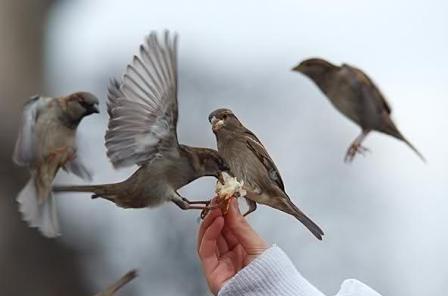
(112, 289)
(46, 143)
(142, 127)
(355, 95)
(250, 162)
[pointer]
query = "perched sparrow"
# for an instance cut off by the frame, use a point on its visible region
(142, 130)
(46, 143)
(355, 95)
(250, 162)
(112, 289)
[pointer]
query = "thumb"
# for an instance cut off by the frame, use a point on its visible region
(249, 239)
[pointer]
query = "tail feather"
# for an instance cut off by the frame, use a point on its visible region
(393, 131)
(307, 222)
(412, 147)
(41, 215)
(97, 189)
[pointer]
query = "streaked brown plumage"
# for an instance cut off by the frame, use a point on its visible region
(113, 288)
(45, 144)
(355, 95)
(249, 161)
(142, 130)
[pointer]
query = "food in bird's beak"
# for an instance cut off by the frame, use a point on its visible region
(230, 188)
(216, 123)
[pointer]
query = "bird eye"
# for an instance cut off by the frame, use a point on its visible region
(224, 117)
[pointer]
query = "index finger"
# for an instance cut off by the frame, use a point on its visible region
(208, 247)
(208, 220)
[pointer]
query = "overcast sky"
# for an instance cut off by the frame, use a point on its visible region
(384, 215)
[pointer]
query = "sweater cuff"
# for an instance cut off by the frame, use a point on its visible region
(352, 287)
(271, 273)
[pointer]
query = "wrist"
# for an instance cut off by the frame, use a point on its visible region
(253, 253)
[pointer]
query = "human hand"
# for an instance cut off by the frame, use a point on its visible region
(226, 244)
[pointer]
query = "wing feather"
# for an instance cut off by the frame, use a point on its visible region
(368, 87)
(143, 106)
(25, 149)
(255, 145)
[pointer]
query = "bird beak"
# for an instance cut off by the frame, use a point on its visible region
(93, 109)
(298, 68)
(216, 123)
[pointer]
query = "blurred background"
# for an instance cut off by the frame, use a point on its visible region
(384, 216)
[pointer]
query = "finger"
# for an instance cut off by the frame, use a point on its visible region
(207, 250)
(242, 230)
(230, 238)
(206, 223)
(238, 256)
(223, 247)
(215, 200)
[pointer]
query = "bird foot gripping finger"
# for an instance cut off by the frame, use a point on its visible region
(211, 204)
(222, 203)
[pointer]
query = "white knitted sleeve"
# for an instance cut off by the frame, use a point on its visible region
(272, 273)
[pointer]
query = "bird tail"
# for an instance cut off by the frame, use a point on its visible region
(393, 131)
(307, 222)
(38, 213)
(97, 190)
(129, 276)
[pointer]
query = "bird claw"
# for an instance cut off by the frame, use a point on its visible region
(353, 150)
(208, 208)
(204, 213)
(223, 204)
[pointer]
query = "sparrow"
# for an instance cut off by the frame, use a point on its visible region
(46, 143)
(250, 162)
(112, 289)
(143, 112)
(356, 96)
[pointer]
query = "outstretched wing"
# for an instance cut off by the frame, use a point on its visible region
(143, 106)
(25, 151)
(258, 149)
(369, 89)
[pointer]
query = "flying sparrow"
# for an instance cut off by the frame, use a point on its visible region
(143, 114)
(355, 95)
(250, 162)
(46, 143)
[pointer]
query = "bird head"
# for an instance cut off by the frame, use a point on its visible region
(314, 67)
(217, 164)
(80, 104)
(210, 162)
(223, 119)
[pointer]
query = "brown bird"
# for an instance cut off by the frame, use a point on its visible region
(355, 95)
(112, 289)
(46, 143)
(249, 161)
(142, 130)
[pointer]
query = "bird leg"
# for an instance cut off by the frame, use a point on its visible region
(185, 205)
(196, 202)
(356, 147)
(252, 207)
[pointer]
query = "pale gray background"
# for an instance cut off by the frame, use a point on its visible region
(384, 216)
